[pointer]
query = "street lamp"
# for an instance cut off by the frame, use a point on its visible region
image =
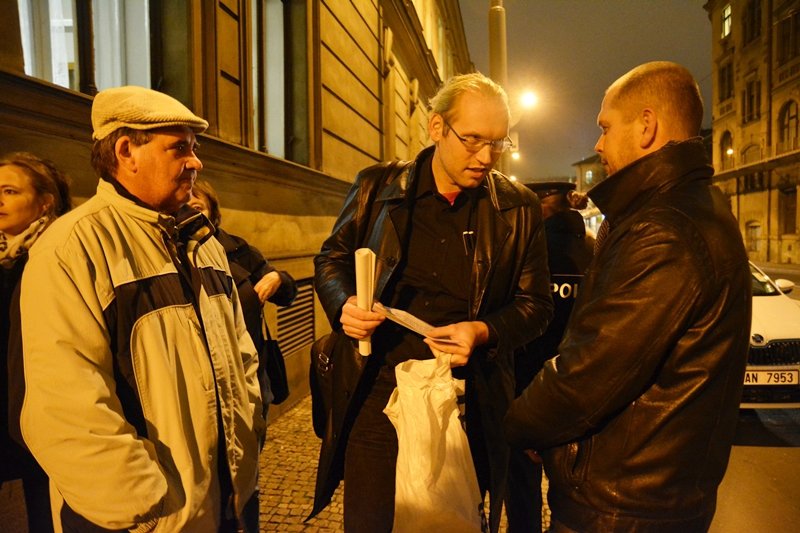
(529, 99)
(498, 71)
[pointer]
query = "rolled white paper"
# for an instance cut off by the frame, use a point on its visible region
(365, 286)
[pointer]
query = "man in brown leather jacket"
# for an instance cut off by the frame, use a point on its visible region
(472, 259)
(636, 415)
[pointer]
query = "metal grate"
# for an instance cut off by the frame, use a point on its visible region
(296, 322)
(776, 353)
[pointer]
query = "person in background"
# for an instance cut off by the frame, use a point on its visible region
(472, 260)
(636, 416)
(33, 192)
(256, 280)
(142, 403)
(569, 252)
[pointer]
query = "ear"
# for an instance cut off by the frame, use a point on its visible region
(436, 127)
(126, 156)
(47, 206)
(649, 128)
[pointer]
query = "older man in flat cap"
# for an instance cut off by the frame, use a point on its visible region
(141, 402)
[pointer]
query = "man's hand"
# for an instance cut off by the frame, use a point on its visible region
(356, 322)
(466, 336)
(267, 286)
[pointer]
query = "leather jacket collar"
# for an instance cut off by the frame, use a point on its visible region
(502, 193)
(672, 165)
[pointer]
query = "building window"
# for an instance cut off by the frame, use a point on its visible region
(269, 99)
(726, 150)
(751, 21)
(753, 182)
(588, 177)
(751, 154)
(121, 43)
(49, 41)
(787, 201)
(788, 38)
(726, 21)
(788, 123)
(725, 74)
(752, 236)
(751, 101)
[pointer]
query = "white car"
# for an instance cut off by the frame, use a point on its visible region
(772, 379)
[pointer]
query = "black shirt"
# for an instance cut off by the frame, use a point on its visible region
(433, 280)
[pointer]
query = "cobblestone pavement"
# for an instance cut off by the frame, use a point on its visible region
(287, 472)
(288, 466)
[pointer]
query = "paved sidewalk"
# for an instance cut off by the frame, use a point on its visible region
(288, 467)
(287, 471)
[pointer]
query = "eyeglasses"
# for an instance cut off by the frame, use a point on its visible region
(475, 144)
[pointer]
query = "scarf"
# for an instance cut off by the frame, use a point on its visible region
(12, 248)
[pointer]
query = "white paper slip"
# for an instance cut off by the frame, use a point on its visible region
(409, 321)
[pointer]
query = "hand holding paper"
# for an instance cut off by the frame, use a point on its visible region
(467, 335)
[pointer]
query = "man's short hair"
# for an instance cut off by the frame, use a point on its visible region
(444, 100)
(667, 87)
(104, 158)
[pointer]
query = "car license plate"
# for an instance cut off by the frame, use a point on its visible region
(771, 377)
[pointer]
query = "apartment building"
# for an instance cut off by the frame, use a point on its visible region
(756, 133)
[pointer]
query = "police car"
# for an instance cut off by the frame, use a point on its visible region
(772, 379)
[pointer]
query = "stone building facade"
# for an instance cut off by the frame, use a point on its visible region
(756, 132)
(299, 94)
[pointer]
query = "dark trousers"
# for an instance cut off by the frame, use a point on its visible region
(370, 463)
(524, 496)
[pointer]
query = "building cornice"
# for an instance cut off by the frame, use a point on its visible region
(45, 109)
(412, 49)
(788, 158)
(409, 43)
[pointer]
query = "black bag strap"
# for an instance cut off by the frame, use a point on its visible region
(265, 326)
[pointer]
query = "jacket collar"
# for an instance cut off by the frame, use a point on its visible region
(674, 164)
(502, 192)
(185, 224)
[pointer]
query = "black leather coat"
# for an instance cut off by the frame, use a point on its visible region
(569, 252)
(509, 291)
(636, 416)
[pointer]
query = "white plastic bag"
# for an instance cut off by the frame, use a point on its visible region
(436, 487)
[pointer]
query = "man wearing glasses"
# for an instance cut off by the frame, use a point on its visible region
(459, 246)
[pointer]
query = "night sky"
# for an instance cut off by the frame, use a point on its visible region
(570, 51)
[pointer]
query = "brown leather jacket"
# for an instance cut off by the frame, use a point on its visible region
(636, 416)
(509, 291)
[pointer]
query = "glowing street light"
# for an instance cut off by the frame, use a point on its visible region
(529, 99)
